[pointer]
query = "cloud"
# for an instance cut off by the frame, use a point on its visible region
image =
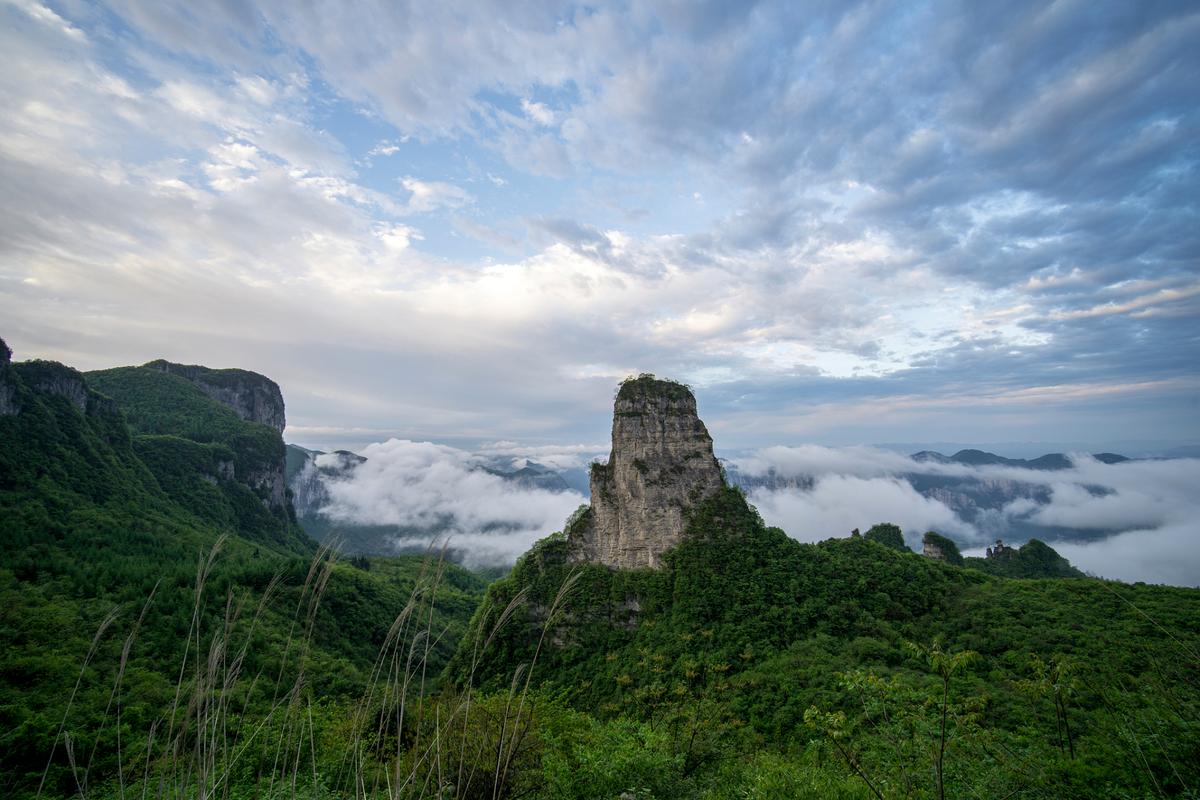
(556, 457)
(919, 222)
(438, 494)
(425, 196)
(836, 504)
(387, 147)
(1156, 555)
(808, 460)
(538, 112)
(47, 17)
(1153, 505)
(1132, 520)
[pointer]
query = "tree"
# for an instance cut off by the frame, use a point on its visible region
(943, 664)
(1056, 680)
(888, 535)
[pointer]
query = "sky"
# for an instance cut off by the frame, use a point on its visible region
(841, 223)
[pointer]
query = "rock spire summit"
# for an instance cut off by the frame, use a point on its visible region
(661, 464)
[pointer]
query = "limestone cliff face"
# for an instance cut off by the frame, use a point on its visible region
(930, 549)
(51, 378)
(309, 481)
(661, 464)
(64, 382)
(252, 396)
(8, 392)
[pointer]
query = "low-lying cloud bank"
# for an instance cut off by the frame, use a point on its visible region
(434, 494)
(836, 504)
(1133, 520)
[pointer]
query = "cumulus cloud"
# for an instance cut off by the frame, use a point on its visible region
(438, 494)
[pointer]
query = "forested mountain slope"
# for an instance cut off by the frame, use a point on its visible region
(109, 512)
(1055, 688)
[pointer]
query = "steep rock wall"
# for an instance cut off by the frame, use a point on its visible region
(661, 464)
(8, 392)
(252, 397)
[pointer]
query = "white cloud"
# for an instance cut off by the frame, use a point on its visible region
(440, 490)
(1146, 513)
(808, 460)
(398, 237)
(538, 112)
(836, 504)
(259, 89)
(556, 457)
(384, 149)
(195, 100)
(1153, 504)
(427, 196)
(1168, 554)
(47, 17)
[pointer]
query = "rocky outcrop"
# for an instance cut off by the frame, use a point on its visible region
(309, 474)
(8, 392)
(53, 378)
(251, 396)
(661, 464)
(938, 547)
(270, 484)
(222, 471)
(254, 398)
(66, 383)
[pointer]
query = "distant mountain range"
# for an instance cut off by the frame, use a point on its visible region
(978, 458)
(977, 499)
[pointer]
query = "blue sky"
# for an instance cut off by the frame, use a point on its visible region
(466, 222)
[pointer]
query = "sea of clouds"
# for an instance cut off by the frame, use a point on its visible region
(1148, 510)
(438, 495)
(1151, 508)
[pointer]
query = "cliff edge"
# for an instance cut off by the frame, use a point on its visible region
(661, 465)
(253, 397)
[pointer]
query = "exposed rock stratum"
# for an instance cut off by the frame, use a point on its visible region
(253, 397)
(661, 465)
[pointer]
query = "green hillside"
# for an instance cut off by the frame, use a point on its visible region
(751, 648)
(1034, 559)
(204, 456)
(113, 654)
